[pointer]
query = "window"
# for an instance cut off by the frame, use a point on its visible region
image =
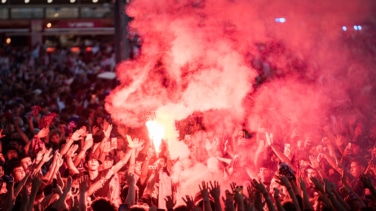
(25, 13)
(96, 12)
(62, 12)
(3, 13)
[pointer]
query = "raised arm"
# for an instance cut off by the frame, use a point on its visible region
(75, 136)
(279, 153)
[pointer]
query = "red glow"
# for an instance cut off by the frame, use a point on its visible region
(50, 49)
(75, 49)
(203, 57)
(88, 49)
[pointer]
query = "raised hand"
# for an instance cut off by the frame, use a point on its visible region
(328, 186)
(233, 187)
(71, 151)
(215, 190)
(307, 142)
(38, 157)
(228, 200)
(314, 162)
(302, 184)
(250, 191)
(95, 129)
(204, 190)
(276, 193)
(59, 159)
(88, 144)
(84, 183)
(339, 141)
(258, 186)
(60, 204)
(36, 179)
(170, 203)
(282, 180)
(188, 200)
(47, 156)
(134, 143)
(43, 132)
(77, 134)
(318, 184)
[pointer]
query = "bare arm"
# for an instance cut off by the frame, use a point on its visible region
(36, 183)
(306, 203)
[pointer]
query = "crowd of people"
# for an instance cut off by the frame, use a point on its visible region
(60, 150)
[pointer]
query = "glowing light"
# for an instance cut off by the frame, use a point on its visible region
(95, 1)
(27, 1)
(8, 41)
(49, 1)
(355, 27)
(3, 1)
(50, 49)
(280, 20)
(49, 25)
(56, 15)
(75, 49)
(156, 133)
(72, 1)
(359, 27)
(344, 28)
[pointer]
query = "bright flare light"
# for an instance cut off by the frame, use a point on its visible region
(156, 133)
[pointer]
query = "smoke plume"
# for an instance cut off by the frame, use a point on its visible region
(271, 64)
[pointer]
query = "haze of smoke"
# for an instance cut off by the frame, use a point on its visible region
(194, 58)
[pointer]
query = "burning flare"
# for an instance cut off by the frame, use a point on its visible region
(156, 133)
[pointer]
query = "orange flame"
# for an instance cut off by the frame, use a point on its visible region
(156, 133)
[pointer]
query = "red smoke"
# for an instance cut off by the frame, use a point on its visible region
(204, 55)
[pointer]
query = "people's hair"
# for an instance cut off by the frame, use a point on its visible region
(12, 165)
(289, 206)
(62, 122)
(360, 162)
(137, 208)
(54, 132)
(102, 204)
(23, 155)
(181, 208)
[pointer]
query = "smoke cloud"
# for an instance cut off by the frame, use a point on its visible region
(272, 64)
